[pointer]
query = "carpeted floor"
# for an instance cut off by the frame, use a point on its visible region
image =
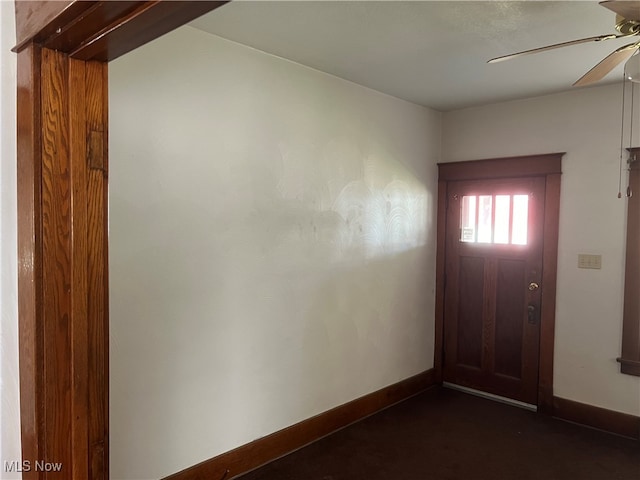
(444, 434)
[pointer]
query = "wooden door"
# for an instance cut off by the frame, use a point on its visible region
(492, 298)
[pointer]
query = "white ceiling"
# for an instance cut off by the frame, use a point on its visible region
(432, 53)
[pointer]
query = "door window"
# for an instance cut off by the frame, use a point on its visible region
(497, 219)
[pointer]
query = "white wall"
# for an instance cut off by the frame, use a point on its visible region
(272, 248)
(9, 379)
(585, 123)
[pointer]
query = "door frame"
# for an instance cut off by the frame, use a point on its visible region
(548, 166)
(63, 48)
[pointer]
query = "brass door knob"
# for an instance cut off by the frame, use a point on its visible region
(533, 286)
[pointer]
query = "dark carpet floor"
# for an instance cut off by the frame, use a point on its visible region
(444, 434)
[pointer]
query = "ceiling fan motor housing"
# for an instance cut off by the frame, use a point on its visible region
(626, 26)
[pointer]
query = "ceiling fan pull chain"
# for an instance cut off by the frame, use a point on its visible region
(632, 114)
(629, 192)
(624, 88)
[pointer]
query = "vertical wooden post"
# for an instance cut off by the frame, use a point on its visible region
(549, 280)
(630, 356)
(30, 255)
(62, 220)
(62, 114)
(441, 240)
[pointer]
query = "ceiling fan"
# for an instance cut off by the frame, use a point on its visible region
(627, 24)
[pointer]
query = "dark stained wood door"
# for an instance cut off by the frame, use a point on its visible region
(492, 301)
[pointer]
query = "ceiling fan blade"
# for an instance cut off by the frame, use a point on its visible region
(597, 38)
(610, 62)
(629, 10)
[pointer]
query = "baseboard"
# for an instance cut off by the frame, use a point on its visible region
(252, 455)
(597, 417)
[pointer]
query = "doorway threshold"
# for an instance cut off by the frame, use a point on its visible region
(491, 396)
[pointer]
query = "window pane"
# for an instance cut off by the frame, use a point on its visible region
(520, 219)
(501, 227)
(468, 220)
(484, 218)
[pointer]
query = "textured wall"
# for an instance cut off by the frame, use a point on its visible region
(272, 247)
(9, 380)
(585, 123)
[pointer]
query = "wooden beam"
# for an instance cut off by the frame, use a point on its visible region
(62, 256)
(40, 18)
(147, 22)
(630, 356)
(506, 167)
(62, 146)
(549, 280)
(30, 254)
(441, 241)
(104, 30)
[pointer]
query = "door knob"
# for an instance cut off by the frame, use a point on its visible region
(533, 286)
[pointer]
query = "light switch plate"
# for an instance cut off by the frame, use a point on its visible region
(589, 261)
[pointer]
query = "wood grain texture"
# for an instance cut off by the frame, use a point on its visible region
(57, 262)
(102, 30)
(95, 153)
(99, 16)
(263, 450)
(148, 22)
(596, 417)
(87, 83)
(80, 352)
(30, 256)
(40, 18)
(62, 258)
(62, 219)
(97, 270)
